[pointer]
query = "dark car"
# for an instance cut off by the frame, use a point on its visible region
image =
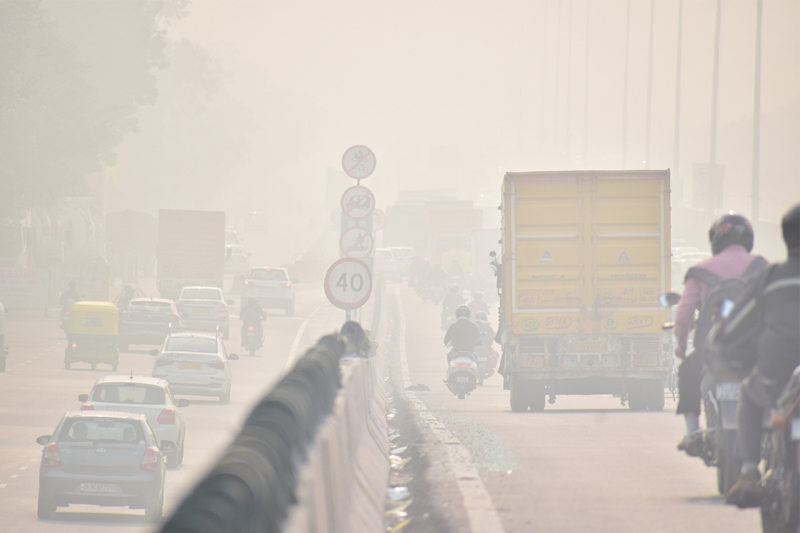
(147, 321)
(102, 458)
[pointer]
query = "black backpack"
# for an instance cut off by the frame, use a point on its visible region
(718, 291)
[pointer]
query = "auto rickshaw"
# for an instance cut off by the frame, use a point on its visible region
(92, 335)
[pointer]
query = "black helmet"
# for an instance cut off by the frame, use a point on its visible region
(478, 295)
(480, 315)
(454, 288)
(252, 302)
(462, 311)
(791, 228)
(728, 230)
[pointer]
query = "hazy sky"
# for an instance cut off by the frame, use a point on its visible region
(451, 94)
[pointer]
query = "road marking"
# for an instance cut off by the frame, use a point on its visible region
(23, 468)
(14, 476)
(481, 513)
(297, 338)
(3, 485)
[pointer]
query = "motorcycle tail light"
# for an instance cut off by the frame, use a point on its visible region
(73, 345)
(251, 328)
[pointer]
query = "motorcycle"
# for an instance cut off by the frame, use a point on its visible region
(462, 374)
(487, 361)
(780, 489)
(252, 339)
(65, 312)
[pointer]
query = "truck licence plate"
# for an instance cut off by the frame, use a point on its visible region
(532, 362)
(98, 487)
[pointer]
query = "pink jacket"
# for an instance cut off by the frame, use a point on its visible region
(729, 263)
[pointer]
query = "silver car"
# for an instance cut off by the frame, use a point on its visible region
(146, 396)
(271, 287)
(205, 309)
(195, 364)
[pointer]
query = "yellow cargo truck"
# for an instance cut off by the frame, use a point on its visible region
(584, 257)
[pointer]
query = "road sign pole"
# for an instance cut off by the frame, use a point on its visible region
(347, 316)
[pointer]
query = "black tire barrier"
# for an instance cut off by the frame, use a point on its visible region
(253, 486)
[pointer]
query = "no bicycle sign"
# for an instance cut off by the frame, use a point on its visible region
(358, 162)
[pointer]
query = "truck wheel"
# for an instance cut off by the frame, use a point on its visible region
(519, 396)
(537, 398)
(655, 390)
(637, 397)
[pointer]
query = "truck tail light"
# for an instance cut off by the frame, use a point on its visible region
(219, 365)
(87, 407)
(51, 458)
(167, 416)
(150, 459)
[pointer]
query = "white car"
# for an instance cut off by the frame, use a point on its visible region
(271, 287)
(204, 309)
(195, 364)
(145, 396)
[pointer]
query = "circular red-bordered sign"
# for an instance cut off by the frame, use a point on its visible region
(358, 202)
(378, 220)
(359, 162)
(348, 283)
(356, 242)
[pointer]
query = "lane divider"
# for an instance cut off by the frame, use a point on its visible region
(301, 331)
(478, 504)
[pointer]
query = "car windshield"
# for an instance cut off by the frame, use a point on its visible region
(201, 294)
(191, 344)
(268, 274)
(150, 307)
(105, 429)
(133, 393)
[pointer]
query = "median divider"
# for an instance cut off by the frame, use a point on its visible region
(312, 456)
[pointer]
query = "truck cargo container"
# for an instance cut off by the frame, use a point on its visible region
(585, 256)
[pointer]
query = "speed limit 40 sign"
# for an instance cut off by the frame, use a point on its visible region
(348, 283)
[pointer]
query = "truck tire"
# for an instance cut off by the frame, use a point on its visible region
(537, 398)
(637, 396)
(519, 396)
(655, 392)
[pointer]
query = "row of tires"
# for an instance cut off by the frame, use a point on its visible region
(643, 395)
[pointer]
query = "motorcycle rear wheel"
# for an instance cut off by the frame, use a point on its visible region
(728, 467)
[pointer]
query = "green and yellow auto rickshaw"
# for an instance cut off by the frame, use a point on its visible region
(92, 335)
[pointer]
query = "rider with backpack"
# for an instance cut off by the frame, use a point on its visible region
(705, 287)
(763, 332)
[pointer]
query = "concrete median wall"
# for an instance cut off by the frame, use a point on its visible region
(312, 456)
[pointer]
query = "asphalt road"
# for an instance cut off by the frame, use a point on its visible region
(36, 390)
(584, 464)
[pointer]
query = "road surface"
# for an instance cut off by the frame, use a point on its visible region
(584, 464)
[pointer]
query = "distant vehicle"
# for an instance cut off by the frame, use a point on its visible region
(204, 309)
(102, 458)
(195, 364)
(237, 261)
(191, 250)
(271, 287)
(146, 396)
(92, 335)
(231, 237)
(385, 265)
(403, 256)
(147, 321)
(462, 374)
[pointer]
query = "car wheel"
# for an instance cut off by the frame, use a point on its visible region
(172, 459)
(154, 510)
(46, 508)
(225, 398)
(290, 309)
(66, 365)
(180, 450)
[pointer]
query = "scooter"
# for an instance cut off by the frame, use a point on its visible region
(252, 339)
(462, 374)
(487, 361)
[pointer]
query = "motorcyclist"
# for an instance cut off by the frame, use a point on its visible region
(451, 301)
(731, 240)
(455, 272)
(71, 294)
(462, 334)
(251, 315)
(772, 304)
(478, 304)
(485, 328)
(126, 297)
